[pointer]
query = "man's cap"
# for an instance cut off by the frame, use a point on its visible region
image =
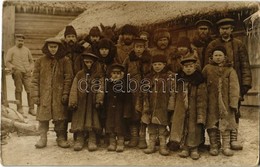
(204, 22)
(189, 58)
(225, 21)
(139, 40)
(87, 55)
(117, 67)
(53, 40)
(19, 36)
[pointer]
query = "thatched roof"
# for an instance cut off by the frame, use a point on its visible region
(147, 13)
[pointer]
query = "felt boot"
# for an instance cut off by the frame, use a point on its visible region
(43, 129)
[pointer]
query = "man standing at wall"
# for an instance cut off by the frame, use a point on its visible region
(202, 39)
(238, 55)
(19, 60)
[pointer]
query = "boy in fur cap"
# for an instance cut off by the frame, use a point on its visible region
(52, 77)
(158, 101)
(223, 92)
(190, 108)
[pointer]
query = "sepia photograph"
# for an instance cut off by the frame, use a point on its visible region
(130, 83)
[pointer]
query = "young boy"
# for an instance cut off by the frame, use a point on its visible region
(114, 106)
(52, 77)
(190, 108)
(137, 65)
(223, 92)
(86, 96)
(156, 106)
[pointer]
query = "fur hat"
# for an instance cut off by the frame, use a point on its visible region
(129, 29)
(225, 21)
(87, 55)
(69, 30)
(161, 33)
(94, 31)
(184, 42)
(159, 58)
(219, 48)
(105, 43)
(188, 58)
(204, 23)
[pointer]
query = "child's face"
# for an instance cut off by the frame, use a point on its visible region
(218, 57)
(117, 75)
(163, 43)
(88, 63)
(139, 49)
(53, 48)
(94, 38)
(104, 52)
(158, 66)
(183, 50)
(189, 68)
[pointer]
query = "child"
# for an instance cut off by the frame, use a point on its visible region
(190, 108)
(86, 96)
(137, 65)
(114, 105)
(223, 92)
(157, 103)
(52, 77)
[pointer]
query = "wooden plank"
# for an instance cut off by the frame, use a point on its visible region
(22, 16)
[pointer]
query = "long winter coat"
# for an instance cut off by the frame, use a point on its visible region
(122, 52)
(200, 46)
(85, 118)
(136, 68)
(190, 109)
(167, 52)
(114, 107)
(52, 78)
(238, 55)
(159, 100)
(223, 93)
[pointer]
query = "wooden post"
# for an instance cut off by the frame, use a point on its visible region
(4, 89)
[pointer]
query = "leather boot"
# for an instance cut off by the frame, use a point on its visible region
(226, 144)
(120, 144)
(134, 136)
(79, 142)
(43, 129)
(163, 148)
(31, 105)
(142, 137)
(151, 147)
(235, 144)
(194, 154)
(92, 141)
(112, 143)
(185, 152)
(18, 97)
(214, 150)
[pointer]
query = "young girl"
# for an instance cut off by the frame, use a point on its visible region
(52, 77)
(223, 92)
(114, 106)
(86, 96)
(190, 108)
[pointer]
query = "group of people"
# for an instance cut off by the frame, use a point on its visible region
(116, 91)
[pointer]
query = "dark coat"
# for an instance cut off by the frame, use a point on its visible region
(238, 55)
(136, 68)
(200, 46)
(223, 93)
(168, 52)
(52, 78)
(114, 106)
(159, 98)
(190, 110)
(85, 118)
(122, 52)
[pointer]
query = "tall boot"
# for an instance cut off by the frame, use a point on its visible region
(92, 141)
(151, 146)
(235, 144)
(112, 142)
(194, 154)
(79, 142)
(134, 136)
(226, 143)
(61, 133)
(218, 139)
(163, 148)
(120, 144)
(142, 137)
(18, 97)
(31, 105)
(214, 150)
(43, 129)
